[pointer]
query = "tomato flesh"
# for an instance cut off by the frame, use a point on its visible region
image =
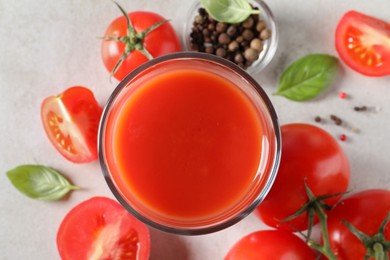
(270, 244)
(363, 43)
(309, 155)
(71, 121)
(365, 210)
(100, 228)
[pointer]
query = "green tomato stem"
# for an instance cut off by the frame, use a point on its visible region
(325, 249)
(379, 252)
(318, 207)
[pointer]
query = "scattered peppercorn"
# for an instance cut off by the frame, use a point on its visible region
(240, 43)
(343, 95)
(336, 119)
(354, 130)
(360, 108)
(318, 119)
(343, 137)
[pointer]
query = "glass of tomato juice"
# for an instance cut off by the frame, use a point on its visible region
(189, 143)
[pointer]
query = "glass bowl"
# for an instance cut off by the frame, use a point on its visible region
(173, 199)
(269, 45)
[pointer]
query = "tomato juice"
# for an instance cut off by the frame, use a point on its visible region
(185, 147)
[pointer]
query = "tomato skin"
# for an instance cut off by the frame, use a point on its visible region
(71, 121)
(100, 228)
(311, 155)
(363, 43)
(365, 210)
(270, 244)
(160, 41)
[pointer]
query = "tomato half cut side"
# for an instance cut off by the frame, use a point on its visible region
(363, 43)
(71, 121)
(100, 228)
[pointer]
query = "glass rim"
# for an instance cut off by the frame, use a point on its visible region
(185, 230)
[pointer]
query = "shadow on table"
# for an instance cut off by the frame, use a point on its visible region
(167, 246)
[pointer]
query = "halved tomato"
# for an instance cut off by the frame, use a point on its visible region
(100, 228)
(363, 43)
(71, 121)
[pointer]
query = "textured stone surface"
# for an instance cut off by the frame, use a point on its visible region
(47, 46)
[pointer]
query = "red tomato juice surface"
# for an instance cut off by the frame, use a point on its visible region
(186, 144)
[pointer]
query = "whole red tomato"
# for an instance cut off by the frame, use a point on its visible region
(309, 155)
(71, 121)
(270, 244)
(100, 228)
(363, 43)
(366, 211)
(129, 48)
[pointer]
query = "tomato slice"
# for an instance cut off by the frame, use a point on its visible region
(71, 121)
(100, 228)
(363, 43)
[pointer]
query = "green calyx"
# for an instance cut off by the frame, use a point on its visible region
(134, 41)
(377, 245)
(317, 206)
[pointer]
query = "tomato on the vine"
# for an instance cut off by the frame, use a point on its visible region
(363, 43)
(310, 156)
(71, 121)
(366, 211)
(134, 38)
(100, 228)
(270, 244)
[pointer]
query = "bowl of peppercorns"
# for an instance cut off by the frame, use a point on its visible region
(250, 44)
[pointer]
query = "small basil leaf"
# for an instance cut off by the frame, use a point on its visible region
(307, 77)
(229, 11)
(40, 182)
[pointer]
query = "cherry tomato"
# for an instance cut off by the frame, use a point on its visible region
(309, 155)
(363, 43)
(160, 41)
(270, 244)
(71, 121)
(366, 211)
(100, 228)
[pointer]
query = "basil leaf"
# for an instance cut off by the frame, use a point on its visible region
(40, 182)
(229, 11)
(308, 76)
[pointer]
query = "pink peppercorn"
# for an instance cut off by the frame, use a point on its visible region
(343, 95)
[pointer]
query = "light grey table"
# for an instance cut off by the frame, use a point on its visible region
(47, 46)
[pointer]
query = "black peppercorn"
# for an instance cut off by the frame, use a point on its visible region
(240, 43)
(221, 52)
(221, 27)
(223, 38)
